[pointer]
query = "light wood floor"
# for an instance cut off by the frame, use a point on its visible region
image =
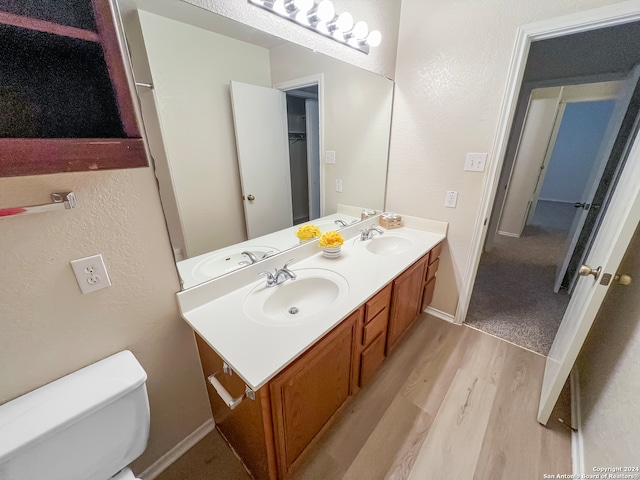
(450, 403)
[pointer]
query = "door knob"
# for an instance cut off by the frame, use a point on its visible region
(251, 198)
(623, 279)
(586, 270)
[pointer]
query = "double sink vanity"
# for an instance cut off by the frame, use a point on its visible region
(280, 360)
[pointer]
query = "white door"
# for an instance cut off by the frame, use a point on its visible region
(619, 110)
(610, 243)
(260, 119)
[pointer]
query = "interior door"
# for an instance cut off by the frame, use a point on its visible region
(615, 122)
(610, 243)
(260, 119)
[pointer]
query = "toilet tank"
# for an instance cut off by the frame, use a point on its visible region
(85, 426)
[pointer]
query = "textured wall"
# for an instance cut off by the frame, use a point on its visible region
(381, 15)
(609, 371)
(50, 329)
(450, 76)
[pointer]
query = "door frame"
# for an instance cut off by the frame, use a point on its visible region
(302, 82)
(616, 14)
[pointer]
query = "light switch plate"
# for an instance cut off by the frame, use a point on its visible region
(475, 162)
(330, 156)
(91, 273)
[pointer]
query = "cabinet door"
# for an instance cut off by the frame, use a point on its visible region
(310, 391)
(406, 300)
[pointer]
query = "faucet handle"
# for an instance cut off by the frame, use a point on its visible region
(271, 279)
(292, 275)
(267, 254)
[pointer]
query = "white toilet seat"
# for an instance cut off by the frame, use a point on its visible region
(124, 474)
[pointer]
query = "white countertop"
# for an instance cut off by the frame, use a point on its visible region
(257, 352)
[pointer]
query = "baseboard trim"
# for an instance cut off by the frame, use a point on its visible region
(577, 441)
(440, 314)
(508, 234)
(176, 452)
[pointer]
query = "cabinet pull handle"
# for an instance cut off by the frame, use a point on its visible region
(226, 397)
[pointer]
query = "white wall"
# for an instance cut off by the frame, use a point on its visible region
(537, 130)
(357, 118)
(576, 150)
(191, 69)
(451, 73)
(609, 372)
(49, 329)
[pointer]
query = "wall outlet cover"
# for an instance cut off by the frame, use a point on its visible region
(451, 199)
(91, 273)
(338, 185)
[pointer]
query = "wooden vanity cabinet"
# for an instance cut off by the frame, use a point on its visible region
(65, 96)
(271, 433)
(406, 300)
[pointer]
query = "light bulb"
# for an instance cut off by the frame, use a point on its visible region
(325, 11)
(360, 30)
(279, 7)
(301, 17)
(322, 28)
(374, 38)
(341, 23)
(303, 5)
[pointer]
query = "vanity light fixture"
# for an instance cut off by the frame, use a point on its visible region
(322, 18)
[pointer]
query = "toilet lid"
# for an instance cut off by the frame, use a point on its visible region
(124, 474)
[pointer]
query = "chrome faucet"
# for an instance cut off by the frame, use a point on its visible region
(251, 256)
(341, 223)
(255, 259)
(280, 275)
(368, 233)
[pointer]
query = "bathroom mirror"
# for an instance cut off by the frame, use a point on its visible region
(337, 110)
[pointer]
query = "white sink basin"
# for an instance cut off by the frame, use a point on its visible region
(294, 302)
(228, 261)
(388, 245)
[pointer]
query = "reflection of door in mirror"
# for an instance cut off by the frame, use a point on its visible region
(278, 155)
(260, 121)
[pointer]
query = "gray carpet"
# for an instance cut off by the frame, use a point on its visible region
(513, 295)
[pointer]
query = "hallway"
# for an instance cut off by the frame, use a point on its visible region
(513, 296)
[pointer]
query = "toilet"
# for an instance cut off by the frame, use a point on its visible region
(88, 425)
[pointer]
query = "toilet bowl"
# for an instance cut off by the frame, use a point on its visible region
(88, 425)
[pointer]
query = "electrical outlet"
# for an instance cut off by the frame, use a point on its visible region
(329, 156)
(91, 273)
(475, 162)
(338, 185)
(451, 199)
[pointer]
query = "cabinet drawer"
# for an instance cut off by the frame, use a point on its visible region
(431, 271)
(372, 358)
(435, 253)
(377, 303)
(375, 327)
